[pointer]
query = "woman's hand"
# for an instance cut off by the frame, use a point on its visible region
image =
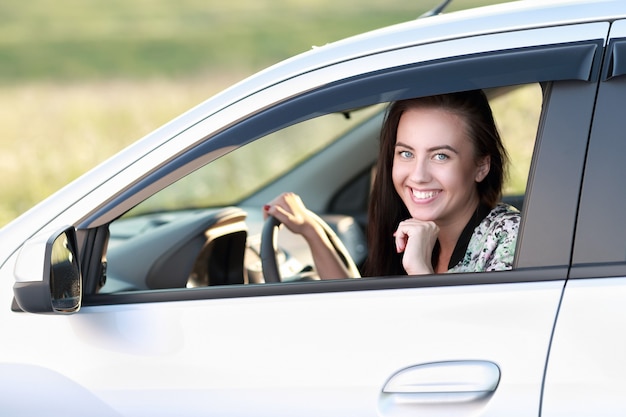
(416, 238)
(289, 209)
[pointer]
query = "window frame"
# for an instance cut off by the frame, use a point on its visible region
(570, 72)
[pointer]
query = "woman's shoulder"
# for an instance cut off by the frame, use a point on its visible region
(503, 217)
(503, 212)
(492, 245)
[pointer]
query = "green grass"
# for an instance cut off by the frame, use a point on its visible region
(96, 39)
(80, 80)
(101, 39)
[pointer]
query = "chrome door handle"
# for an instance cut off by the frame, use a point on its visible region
(451, 381)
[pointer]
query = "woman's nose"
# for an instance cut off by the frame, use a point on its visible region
(420, 171)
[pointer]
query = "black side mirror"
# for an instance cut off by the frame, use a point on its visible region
(47, 274)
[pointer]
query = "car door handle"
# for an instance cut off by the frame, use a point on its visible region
(450, 381)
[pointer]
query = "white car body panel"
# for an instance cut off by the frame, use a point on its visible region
(362, 337)
(586, 372)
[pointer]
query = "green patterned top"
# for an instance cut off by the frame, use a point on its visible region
(492, 244)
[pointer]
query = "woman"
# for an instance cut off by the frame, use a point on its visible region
(434, 204)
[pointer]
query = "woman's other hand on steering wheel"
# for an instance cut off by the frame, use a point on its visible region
(289, 209)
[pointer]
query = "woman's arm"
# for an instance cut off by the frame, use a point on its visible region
(289, 209)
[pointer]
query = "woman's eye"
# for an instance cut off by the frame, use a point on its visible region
(405, 154)
(440, 157)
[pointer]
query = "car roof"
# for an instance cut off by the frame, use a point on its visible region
(519, 15)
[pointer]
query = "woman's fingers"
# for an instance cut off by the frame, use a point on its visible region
(289, 209)
(423, 232)
(416, 239)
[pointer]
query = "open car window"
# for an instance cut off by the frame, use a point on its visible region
(203, 231)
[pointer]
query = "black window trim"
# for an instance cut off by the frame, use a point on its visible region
(529, 275)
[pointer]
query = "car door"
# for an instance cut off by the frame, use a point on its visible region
(586, 371)
(464, 344)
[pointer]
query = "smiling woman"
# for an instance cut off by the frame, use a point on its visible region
(438, 189)
(436, 172)
(438, 182)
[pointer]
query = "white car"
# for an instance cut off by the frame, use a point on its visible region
(141, 288)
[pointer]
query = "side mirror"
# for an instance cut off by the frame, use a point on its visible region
(47, 274)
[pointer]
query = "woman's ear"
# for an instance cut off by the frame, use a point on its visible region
(482, 168)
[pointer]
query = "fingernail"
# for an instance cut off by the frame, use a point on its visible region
(266, 207)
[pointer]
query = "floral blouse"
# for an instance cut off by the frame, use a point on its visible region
(491, 246)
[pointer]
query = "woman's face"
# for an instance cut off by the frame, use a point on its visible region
(434, 167)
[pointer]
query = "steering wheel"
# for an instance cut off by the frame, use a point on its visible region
(269, 247)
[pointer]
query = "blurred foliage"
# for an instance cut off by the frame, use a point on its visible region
(78, 39)
(80, 80)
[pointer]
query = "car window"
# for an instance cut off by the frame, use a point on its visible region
(187, 231)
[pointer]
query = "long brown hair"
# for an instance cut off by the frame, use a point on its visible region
(386, 209)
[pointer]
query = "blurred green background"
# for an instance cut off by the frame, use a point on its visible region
(81, 79)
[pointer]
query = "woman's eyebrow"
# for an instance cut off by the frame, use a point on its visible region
(403, 145)
(443, 147)
(432, 149)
